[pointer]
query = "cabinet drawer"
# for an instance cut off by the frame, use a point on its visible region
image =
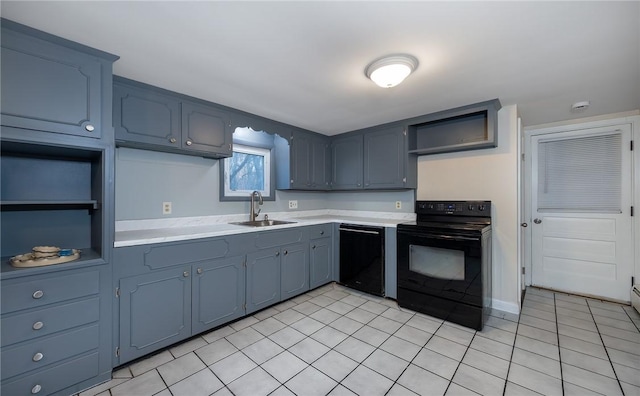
(56, 378)
(43, 352)
(22, 327)
(166, 255)
(320, 231)
(278, 238)
(48, 290)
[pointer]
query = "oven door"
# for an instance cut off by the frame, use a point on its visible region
(443, 265)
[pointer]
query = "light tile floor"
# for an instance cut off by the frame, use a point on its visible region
(337, 341)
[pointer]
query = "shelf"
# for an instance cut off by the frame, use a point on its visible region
(88, 257)
(49, 205)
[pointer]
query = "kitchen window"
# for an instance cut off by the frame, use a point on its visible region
(248, 170)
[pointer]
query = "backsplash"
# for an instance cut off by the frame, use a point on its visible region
(146, 179)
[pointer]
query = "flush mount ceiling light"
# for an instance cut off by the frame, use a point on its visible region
(391, 70)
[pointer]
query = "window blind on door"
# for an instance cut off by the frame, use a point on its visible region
(580, 174)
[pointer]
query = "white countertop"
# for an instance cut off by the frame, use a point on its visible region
(142, 232)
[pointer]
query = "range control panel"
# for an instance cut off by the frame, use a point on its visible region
(455, 208)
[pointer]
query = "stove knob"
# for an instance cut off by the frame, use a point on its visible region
(481, 207)
(430, 206)
(471, 207)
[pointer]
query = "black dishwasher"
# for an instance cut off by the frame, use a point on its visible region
(362, 258)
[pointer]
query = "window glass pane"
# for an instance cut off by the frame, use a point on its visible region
(246, 171)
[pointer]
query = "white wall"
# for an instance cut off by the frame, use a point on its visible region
(488, 174)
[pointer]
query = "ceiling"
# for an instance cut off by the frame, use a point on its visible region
(303, 62)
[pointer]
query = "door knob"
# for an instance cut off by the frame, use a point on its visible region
(524, 225)
(537, 221)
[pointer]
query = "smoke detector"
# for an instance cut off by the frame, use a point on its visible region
(580, 106)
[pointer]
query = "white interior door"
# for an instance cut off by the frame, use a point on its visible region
(582, 235)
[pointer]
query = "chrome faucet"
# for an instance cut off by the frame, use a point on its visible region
(253, 214)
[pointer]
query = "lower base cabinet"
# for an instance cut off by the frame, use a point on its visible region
(320, 262)
(263, 279)
(218, 292)
(155, 311)
(294, 277)
(168, 306)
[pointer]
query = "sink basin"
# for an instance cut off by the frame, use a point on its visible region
(263, 223)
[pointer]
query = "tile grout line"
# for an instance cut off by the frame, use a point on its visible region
(513, 347)
(606, 350)
(555, 313)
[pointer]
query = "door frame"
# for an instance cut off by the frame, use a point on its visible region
(606, 121)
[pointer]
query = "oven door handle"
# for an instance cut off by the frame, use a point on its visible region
(360, 231)
(451, 237)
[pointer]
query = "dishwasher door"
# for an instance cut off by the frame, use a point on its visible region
(362, 258)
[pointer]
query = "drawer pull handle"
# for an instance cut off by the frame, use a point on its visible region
(38, 294)
(36, 389)
(90, 128)
(185, 274)
(172, 140)
(38, 357)
(38, 325)
(199, 270)
(189, 142)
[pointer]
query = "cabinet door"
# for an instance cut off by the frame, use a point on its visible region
(346, 169)
(301, 160)
(48, 87)
(206, 129)
(385, 156)
(320, 262)
(146, 117)
(294, 270)
(155, 311)
(218, 292)
(321, 163)
(263, 279)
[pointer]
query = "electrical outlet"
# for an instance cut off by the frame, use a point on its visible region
(166, 208)
(293, 204)
(398, 204)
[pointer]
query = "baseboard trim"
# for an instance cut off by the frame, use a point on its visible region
(505, 306)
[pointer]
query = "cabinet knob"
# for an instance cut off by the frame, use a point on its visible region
(313, 247)
(89, 128)
(277, 254)
(322, 232)
(37, 357)
(38, 325)
(199, 270)
(189, 142)
(38, 294)
(172, 140)
(359, 184)
(36, 389)
(185, 274)
(286, 252)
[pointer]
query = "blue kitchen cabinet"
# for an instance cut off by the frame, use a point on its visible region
(54, 85)
(155, 311)
(206, 129)
(294, 267)
(347, 162)
(310, 161)
(387, 164)
(153, 118)
(263, 279)
(56, 335)
(145, 117)
(320, 255)
(218, 292)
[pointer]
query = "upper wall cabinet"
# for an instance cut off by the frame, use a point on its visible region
(310, 161)
(373, 159)
(464, 128)
(152, 118)
(54, 85)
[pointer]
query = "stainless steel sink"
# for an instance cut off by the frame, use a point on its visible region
(263, 223)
